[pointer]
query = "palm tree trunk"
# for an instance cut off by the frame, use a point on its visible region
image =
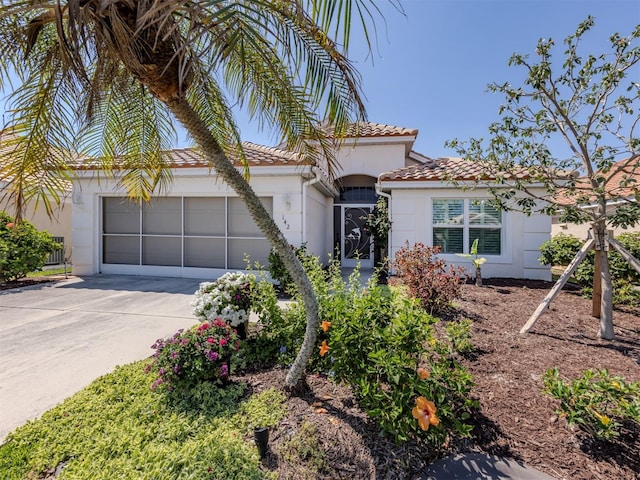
(232, 177)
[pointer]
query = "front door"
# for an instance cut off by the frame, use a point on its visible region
(357, 244)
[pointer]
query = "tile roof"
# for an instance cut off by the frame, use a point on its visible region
(8, 146)
(617, 183)
(446, 168)
(370, 129)
(257, 155)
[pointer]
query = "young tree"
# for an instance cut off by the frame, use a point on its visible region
(121, 71)
(591, 102)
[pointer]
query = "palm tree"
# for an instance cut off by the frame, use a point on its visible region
(120, 71)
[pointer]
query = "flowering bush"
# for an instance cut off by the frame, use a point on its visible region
(191, 356)
(228, 298)
(427, 277)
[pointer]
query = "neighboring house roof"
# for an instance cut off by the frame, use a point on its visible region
(8, 145)
(445, 169)
(622, 181)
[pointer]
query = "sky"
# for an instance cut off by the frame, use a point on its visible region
(431, 66)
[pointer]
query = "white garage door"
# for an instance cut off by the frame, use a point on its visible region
(184, 236)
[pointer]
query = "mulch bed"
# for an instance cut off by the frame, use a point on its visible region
(25, 282)
(515, 418)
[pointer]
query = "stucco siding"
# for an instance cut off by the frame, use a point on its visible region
(363, 159)
(317, 223)
(412, 221)
(285, 190)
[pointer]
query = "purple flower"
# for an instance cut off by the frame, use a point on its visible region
(174, 355)
(176, 369)
(224, 371)
(283, 349)
(184, 341)
(213, 356)
(157, 383)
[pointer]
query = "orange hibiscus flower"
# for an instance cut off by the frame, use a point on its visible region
(324, 348)
(423, 373)
(425, 413)
(325, 326)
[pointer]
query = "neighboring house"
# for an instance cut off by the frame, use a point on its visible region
(623, 185)
(201, 228)
(58, 225)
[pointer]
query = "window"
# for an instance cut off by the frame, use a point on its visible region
(457, 223)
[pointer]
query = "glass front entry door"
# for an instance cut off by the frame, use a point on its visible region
(357, 244)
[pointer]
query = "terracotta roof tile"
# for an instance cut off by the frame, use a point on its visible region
(370, 129)
(447, 168)
(257, 155)
(618, 184)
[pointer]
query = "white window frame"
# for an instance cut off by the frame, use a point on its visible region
(465, 226)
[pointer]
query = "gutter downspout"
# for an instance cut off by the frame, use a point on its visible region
(388, 197)
(305, 186)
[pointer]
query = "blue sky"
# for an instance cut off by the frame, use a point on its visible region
(432, 66)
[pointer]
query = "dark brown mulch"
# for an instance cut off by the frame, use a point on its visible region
(515, 419)
(25, 282)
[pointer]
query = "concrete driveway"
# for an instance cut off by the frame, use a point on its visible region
(56, 338)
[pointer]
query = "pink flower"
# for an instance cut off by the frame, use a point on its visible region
(211, 340)
(223, 342)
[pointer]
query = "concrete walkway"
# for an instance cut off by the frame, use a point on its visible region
(56, 338)
(477, 466)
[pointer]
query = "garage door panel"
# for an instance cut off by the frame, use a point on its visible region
(204, 252)
(256, 249)
(121, 250)
(120, 216)
(165, 251)
(205, 216)
(162, 216)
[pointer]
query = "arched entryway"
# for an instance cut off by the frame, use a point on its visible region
(356, 200)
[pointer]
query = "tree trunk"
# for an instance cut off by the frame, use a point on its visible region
(596, 296)
(478, 277)
(606, 298)
(606, 304)
(216, 157)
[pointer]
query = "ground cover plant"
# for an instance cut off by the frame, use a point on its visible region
(119, 428)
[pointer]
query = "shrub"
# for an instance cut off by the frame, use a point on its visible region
(596, 402)
(191, 356)
(427, 277)
(279, 272)
(23, 248)
(561, 249)
(229, 298)
(377, 339)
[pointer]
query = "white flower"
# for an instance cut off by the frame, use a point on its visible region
(217, 299)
